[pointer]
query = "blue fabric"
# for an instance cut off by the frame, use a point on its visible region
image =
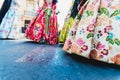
(55, 1)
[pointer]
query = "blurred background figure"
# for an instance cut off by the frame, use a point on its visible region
(27, 10)
(44, 28)
(11, 22)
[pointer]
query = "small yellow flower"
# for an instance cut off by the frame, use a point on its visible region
(37, 25)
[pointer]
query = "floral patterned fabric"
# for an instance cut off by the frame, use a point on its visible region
(10, 27)
(96, 34)
(44, 28)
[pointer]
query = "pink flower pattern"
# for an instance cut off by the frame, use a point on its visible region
(100, 40)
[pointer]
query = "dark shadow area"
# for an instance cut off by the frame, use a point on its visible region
(33, 42)
(96, 63)
(61, 45)
(6, 39)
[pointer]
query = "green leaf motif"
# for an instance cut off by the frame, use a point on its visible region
(110, 40)
(92, 13)
(90, 35)
(117, 42)
(107, 39)
(89, 13)
(104, 11)
(115, 13)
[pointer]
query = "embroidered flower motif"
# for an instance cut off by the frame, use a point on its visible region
(72, 33)
(105, 52)
(85, 48)
(116, 59)
(99, 34)
(105, 30)
(69, 42)
(37, 25)
(80, 42)
(90, 28)
(68, 48)
(108, 28)
(100, 46)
